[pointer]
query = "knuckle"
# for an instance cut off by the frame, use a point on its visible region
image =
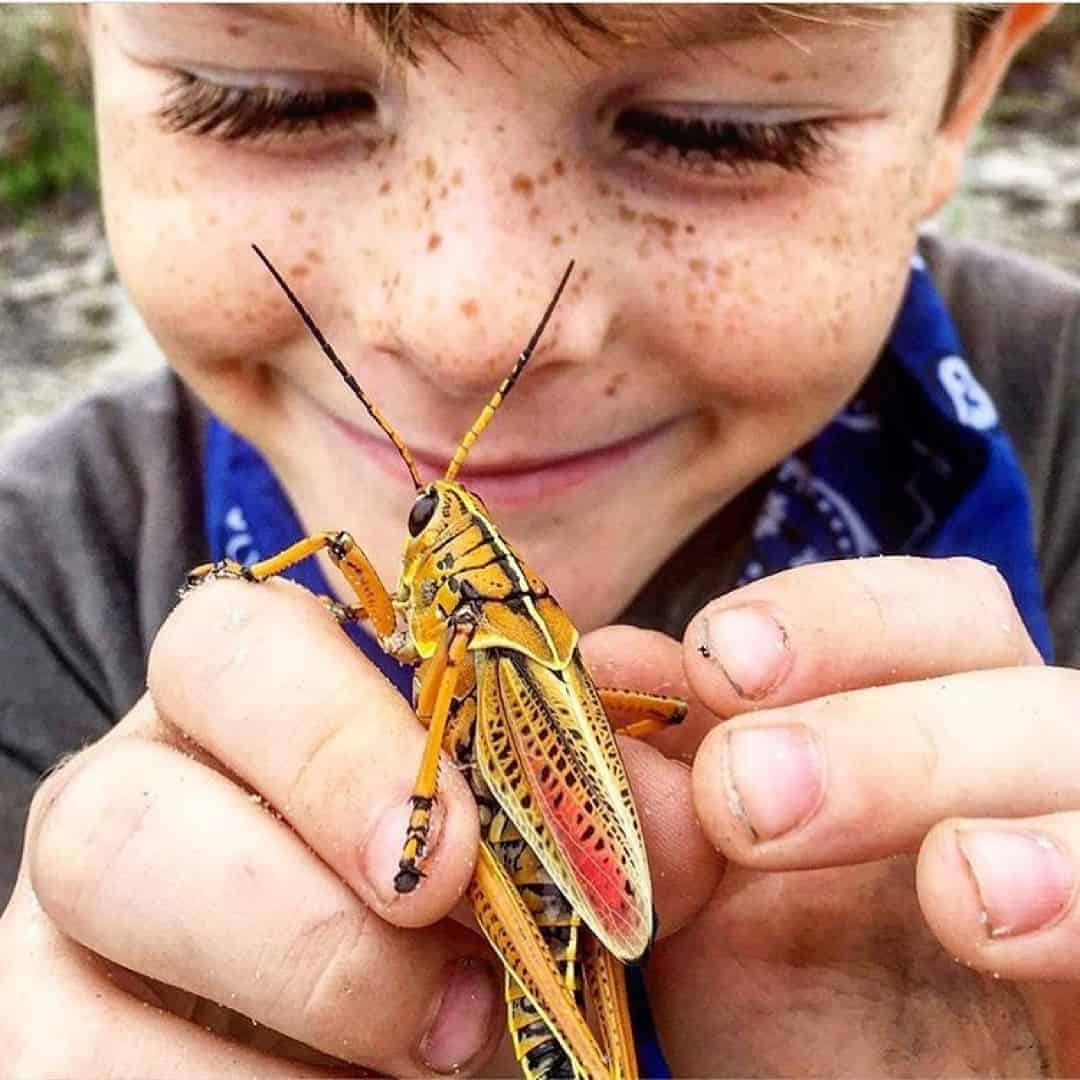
(331, 963)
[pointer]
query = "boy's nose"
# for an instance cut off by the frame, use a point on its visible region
(464, 314)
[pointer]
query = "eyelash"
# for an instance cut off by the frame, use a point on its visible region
(740, 146)
(235, 114)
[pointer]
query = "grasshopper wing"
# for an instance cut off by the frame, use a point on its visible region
(548, 755)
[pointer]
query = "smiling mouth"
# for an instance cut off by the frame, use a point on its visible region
(512, 483)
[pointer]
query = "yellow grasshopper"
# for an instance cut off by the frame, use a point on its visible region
(561, 888)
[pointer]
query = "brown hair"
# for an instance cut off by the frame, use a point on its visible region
(407, 30)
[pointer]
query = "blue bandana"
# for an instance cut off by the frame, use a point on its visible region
(915, 464)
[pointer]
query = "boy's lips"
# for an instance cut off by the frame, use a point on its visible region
(514, 482)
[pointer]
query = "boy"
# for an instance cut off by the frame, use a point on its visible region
(749, 373)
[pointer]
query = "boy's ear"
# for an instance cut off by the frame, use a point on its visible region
(988, 66)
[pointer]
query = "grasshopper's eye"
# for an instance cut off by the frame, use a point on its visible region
(422, 512)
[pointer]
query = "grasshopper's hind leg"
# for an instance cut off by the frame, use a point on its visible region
(375, 604)
(637, 714)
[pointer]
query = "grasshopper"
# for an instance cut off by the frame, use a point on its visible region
(561, 888)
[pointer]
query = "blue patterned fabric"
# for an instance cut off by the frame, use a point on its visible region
(915, 464)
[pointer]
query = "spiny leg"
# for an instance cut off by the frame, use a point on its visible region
(375, 603)
(605, 981)
(512, 932)
(432, 709)
(637, 714)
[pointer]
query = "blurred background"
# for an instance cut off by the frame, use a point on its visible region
(65, 324)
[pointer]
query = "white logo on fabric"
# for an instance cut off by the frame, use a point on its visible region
(240, 539)
(971, 402)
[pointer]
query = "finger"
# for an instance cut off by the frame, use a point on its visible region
(116, 1022)
(162, 865)
(1001, 895)
(866, 774)
(264, 679)
(837, 626)
(683, 864)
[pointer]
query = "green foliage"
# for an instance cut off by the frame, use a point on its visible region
(47, 145)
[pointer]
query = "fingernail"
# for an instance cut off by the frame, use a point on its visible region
(750, 648)
(382, 855)
(1024, 880)
(773, 778)
(464, 1019)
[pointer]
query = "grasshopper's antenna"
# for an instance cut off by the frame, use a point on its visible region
(488, 410)
(343, 371)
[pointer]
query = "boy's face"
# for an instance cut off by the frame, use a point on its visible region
(741, 208)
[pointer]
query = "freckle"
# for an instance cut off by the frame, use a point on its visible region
(213, 219)
(534, 213)
(427, 204)
(700, 328)
(297, 216)
(557, 167)
(626, 214)
(178, 187)
(443, 191)
(456, 179)
(300, 270)
(662, 286)
(779, 77)
(573, 230)
(499, 129)
(313, 255)
(603, 188)
(434, 240)
(469, 308)
(585, 274)
(689, 230)
(429, 168)
(697, 266)
(665, 224)
(556, 240)
(235, 31)
(384, 187)
(612, 387)
(521, 184)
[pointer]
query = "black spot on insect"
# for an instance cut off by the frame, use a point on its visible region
(629, 889)
(526, 801)
(453, 584)
(469, 591)
(517, 605)
(445, 562)
(587, 834)
(423, 510)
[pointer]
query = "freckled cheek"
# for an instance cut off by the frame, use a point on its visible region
(185, 255)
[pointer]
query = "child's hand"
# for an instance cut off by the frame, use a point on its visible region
(228, 852)
(912, 764)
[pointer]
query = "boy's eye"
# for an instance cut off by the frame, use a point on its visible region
(233, 113)
(704, 144)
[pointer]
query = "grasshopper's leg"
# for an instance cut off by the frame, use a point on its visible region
(512, 932)
(605, 982)
(637, 714)
(375, 603)
(432, 709)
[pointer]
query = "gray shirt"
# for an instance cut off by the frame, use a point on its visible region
(101, 516)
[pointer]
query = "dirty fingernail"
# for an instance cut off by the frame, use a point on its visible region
(1023, 879)
(750, 647)
(463, 1023)
(774, 778)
